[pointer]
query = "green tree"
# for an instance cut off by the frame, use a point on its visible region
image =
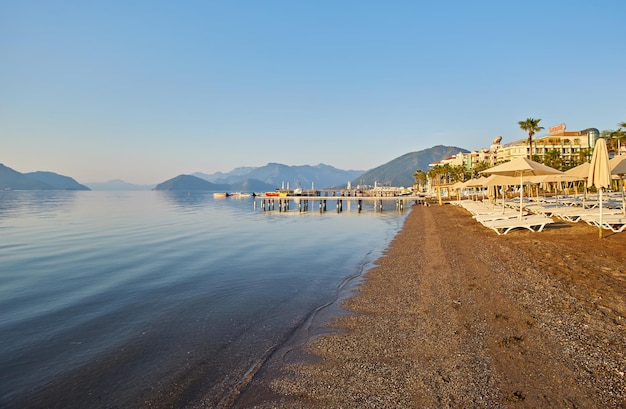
(615, 140)
(420, 178)
(479, 167)
(457, 173)
(531, 126)
(434, 174)
(584, 155)
(553, 159)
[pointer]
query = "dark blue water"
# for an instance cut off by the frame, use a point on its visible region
(158, 298)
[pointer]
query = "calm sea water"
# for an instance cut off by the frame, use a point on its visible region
(129, 299)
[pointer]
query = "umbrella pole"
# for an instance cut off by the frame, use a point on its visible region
(623, 200)
(600, 231)
(521, 194)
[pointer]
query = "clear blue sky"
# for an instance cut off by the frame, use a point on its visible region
(146, 90)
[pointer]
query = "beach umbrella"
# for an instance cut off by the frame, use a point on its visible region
(499, 180)
(581, 172)
(521, 167)
(474, 183)
(554, 178)
(599, 171)
(457, 186)
(618, 167)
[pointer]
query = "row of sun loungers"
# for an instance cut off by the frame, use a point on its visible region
(536, 215)
(502, 219)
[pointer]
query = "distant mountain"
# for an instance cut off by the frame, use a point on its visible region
(57, 181)
(277, 175)
(399, 172)
(119, 185)
(189, 182)
(219, 177)
(250, 186)
(13, 180)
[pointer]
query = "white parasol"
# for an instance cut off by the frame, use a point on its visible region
(521, 167)
(599, 171)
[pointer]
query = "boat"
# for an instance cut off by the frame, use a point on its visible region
(271, 193)
(220, 194)
(240, 194)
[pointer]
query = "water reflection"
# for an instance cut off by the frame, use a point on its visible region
(36, 202)
(188, 199)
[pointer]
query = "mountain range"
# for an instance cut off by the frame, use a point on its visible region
(14, 180)
(397, 172)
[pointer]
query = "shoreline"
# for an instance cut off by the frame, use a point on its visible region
(454, 315)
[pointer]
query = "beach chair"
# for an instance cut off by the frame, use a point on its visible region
(497, 215)
(614, 222)
(534, 223)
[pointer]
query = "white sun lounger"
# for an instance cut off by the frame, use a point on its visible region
(499, 215)
(534, 223)
(614, 222)
(574, 214)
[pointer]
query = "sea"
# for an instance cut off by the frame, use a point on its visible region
(163, 298)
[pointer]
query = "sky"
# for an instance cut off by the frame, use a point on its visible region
(144, 91)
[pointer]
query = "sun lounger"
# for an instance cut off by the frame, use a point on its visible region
(593, 217)
(534, 223)
(574, 214)
(614, 222)
(498, 215)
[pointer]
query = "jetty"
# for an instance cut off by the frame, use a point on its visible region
(307, 200)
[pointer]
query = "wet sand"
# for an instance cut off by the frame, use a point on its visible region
(454, 315)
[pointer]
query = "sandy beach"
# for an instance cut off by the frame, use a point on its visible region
(454, 315)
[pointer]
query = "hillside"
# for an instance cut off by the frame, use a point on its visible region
(399, 172)
(189, 182)
(118, 185)
(14, 180)
(57, 181)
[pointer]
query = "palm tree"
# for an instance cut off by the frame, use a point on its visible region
(479, 167)
(420, 178)
(616, 136)
(434, 174)
(531, 126)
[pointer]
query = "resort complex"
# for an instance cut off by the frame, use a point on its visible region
(573, 148)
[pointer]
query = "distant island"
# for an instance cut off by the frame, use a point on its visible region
(13, 180)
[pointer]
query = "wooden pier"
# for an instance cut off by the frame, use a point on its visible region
(307, 203)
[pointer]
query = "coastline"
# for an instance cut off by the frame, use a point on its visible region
(454, 315)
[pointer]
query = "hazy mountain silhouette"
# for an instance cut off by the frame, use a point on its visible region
(189, 182)
(11, 179)
(57, 181)
(277, 175)
(119, 185)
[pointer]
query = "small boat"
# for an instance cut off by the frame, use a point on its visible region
(220, 195)
(271, 193)
(240, 194)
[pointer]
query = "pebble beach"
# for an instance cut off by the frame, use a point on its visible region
(454, 315)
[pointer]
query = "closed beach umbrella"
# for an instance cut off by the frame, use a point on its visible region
(521, 167)
(599, 171)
